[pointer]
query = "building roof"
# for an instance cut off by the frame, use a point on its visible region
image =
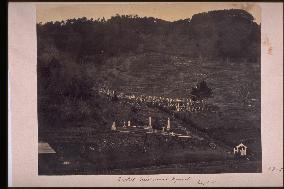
(45, 148)
(241, 145)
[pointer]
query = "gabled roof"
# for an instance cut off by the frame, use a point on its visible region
(241, 145)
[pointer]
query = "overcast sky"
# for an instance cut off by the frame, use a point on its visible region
(166, 11)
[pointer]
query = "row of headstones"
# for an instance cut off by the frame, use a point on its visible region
(113, 127)
(193, 109)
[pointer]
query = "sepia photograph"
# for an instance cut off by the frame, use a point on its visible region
(148, 88)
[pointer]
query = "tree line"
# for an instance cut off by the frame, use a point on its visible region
(215, 34)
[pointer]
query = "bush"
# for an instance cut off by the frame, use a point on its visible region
(201, 91)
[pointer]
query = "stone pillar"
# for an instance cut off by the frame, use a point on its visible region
(113, 127)
(178, 107)
(236, 150)
(128, 123)
(169, 124)
(150, 122)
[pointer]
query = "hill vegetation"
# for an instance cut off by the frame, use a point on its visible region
(133, 54)
(216, 34)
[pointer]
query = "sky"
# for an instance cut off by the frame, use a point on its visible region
(166, 11)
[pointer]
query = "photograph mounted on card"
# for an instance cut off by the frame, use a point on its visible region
(145, 94)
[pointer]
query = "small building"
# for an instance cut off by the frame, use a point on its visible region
(241, 149)
(46, 154)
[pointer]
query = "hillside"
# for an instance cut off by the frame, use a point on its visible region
(149, 56)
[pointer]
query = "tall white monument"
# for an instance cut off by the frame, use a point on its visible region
(128, 123)
(169, 124)
(150, 122)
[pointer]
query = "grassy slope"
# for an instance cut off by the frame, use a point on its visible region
(156, 74)
(171, 76)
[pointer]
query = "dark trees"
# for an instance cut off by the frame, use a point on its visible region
(218, 34)
(201, 91)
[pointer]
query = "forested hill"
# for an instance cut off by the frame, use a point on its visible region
(143, 55)
(216, 34)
